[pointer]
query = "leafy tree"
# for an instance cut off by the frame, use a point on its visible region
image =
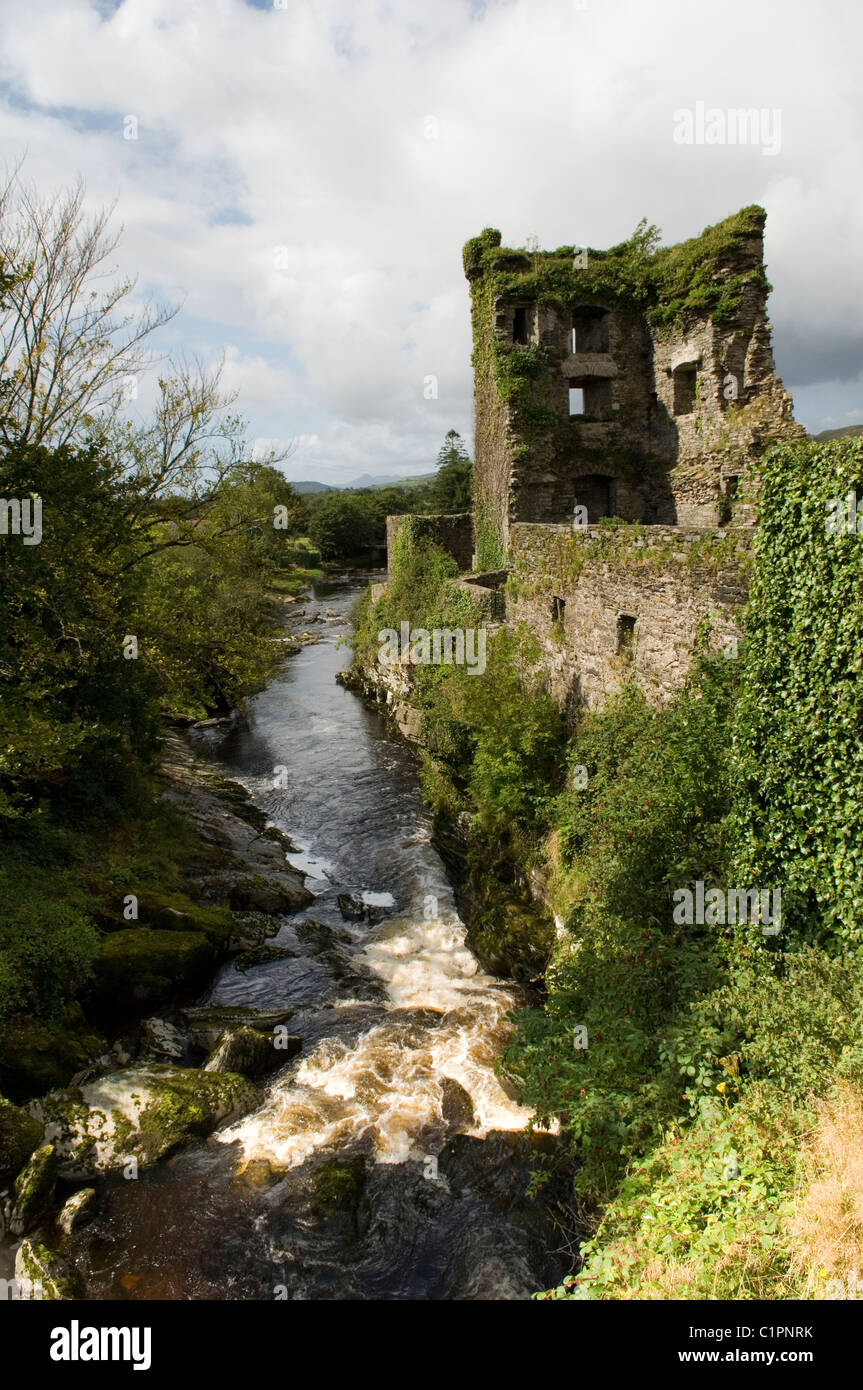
(74, 712)
(451, 489)
(347, 525)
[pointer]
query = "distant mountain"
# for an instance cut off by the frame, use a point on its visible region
(386, 480)
(367, 480)
(846, 430)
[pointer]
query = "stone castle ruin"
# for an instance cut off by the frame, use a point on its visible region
(623, 401)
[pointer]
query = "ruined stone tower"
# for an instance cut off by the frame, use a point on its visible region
(634, 382)
(624, 399)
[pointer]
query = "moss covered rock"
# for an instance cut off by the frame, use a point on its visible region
(206, 1023)
(20, 1134)
(167, 911)
(250, 1052)
(80, 1208)
(143, 965)
(36, 1056)
(139, 1115)
(43, 1275)
(34, 1188)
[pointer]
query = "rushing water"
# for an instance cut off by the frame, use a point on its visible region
(385, 1160)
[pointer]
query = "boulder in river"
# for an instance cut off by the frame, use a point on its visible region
(262, 955)
(250, 1052)
(355, 909)
(139, 1115)
(80, 1208)
(456, 1106)
(162, 1039)
(41, 1274)
(207, 1022)
(34, 1188)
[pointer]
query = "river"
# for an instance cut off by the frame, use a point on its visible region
(386, 1161)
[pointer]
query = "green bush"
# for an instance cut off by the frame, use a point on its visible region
(47, 948)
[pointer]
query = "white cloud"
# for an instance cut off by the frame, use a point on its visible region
(305, 129)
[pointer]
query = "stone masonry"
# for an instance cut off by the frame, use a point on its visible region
(623, 401)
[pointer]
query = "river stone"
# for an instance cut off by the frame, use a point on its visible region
(262, 955)
(34, 1188)
(352, 908)
(250, 1052)
(139, 1114)
(20, 1134)
(252, 929)
(80, 1208)
(160, 1038)
(43, 1275)
(208, 1022)
(456, 1105)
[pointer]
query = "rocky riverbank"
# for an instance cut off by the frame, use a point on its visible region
(160, 1072)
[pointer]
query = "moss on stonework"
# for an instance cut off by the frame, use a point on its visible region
(698, 278)
(558, 557)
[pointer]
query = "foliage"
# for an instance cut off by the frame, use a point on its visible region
(650, 819)
(73, 712)
(450, 491)
(709, 1213)
(798, 780)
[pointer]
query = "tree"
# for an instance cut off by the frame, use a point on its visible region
(70, 350)
(451, 489)
(75, 713)
(347, 525)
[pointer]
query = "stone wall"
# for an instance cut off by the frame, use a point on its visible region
(610, 603)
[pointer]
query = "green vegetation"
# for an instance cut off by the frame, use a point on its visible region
(707, 1080)
(350, 526)
(150, 593)
(669, 282)
(799, 774)
(492, 747)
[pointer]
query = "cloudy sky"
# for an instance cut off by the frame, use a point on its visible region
(305, 173)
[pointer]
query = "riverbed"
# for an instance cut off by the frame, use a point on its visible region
(386, 1161)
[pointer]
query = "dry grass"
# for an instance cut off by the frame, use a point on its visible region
(827, 1226)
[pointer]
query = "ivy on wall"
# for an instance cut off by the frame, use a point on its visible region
(798, 740)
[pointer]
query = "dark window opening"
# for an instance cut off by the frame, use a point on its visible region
(591, 398)
(730, 489)
(685, 388)
(519, 325)
(558, 609)
(597, 493)
(590, 329)
(625, 636)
